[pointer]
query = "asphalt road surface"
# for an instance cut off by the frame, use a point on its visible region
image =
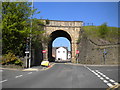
(62, 76)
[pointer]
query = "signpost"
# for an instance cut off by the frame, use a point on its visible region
(104, 55)
(44, 51)
(26, 52)
(77, 52)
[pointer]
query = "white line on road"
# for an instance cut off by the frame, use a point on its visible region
(109, 84)
(30, 73)
(116, 83)
(103, 77)
(107, 77)
(98, 76)
(105, 81)
(18, 76)
(3, 81)
(111, 80)
(1, 70)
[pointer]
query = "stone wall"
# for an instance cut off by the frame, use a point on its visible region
(90, 53)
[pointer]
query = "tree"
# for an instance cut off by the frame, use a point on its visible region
(15, 26)
(38, 34)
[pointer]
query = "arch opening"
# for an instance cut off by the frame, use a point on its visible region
(54, 35)
(62, 42)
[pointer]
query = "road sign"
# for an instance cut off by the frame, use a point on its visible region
(44, 51)
(77, 51)
(26, 51)
(105, 52)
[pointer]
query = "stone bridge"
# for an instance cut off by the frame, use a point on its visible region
(68, 29)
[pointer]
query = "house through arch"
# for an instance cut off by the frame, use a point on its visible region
(54, 35)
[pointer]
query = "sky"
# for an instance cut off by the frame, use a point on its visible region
(61, 41)
(88, 12)
(73, 0)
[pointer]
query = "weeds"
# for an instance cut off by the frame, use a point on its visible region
(10, 58)
(103, 32)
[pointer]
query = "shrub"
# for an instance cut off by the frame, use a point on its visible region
(10, 58)
(103, 30)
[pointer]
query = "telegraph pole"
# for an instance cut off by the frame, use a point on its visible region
(30, 36)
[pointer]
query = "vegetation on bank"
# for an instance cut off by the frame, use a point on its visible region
(17, 29)
(102, 34)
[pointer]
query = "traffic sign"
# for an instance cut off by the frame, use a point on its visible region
(77, 51)
(26, 51)
(44, 51)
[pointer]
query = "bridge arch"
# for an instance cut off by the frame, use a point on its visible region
(54, 35)
(68, 29)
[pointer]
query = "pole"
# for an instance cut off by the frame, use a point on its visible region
(104, 55)
(26, 60)
(30, 37)
(77, 58)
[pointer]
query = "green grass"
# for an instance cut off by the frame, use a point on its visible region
(94, 33)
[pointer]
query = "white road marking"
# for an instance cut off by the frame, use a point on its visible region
(101, 74)
(109, 84)
(1, 70)
(3, 81)
(88, 68)
(30, 73)
(107, 77)
(103, 77)
(18, 76)
(98, 76)
(116, 83)
(111, 80)
(105, 81)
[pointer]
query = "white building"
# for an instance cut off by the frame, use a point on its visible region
(61, 53)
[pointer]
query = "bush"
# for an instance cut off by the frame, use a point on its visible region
(103, 30)
(10, 58)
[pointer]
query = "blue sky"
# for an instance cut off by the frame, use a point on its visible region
(88, 12)
(61, 41)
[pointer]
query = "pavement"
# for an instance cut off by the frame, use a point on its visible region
(63, 75)
(33, 68)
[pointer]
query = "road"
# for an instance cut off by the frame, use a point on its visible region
(62, 76)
